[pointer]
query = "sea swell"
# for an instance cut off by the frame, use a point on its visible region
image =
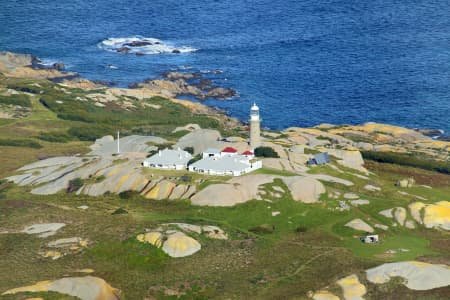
(142, 45)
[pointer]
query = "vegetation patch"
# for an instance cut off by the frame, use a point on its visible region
(20, 143)
(408, 159)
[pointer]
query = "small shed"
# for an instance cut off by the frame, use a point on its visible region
(370, 239)
(319, 159)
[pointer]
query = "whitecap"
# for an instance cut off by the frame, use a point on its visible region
(142, 45)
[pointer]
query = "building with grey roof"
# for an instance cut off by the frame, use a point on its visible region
(235, 165)
(168, 159)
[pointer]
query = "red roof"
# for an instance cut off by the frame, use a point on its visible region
(247, 153)
(229, 150)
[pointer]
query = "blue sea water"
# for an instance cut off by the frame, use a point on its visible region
(303, 62)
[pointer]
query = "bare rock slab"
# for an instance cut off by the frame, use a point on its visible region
(360, 225)
(85, 288)
(180, 245)
(418, 275)
(352, 288)
(44, 230)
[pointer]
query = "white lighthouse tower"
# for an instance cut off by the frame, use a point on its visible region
(255, 131)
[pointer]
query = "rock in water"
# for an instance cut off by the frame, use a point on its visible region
(180, 245)
(59, 66)
(85, 288)
(418, 275)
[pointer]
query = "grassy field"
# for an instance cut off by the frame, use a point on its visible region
(307, 248)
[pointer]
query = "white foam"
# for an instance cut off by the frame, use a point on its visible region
(156, 46)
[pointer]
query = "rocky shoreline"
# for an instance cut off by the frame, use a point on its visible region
(173, 84)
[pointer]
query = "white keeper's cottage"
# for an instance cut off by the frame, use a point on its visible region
(168, 159)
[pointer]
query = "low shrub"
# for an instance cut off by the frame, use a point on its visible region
(408, 159)
(55, 137)
(266, 152)
(75, 185)
(16, 99)
(20, 143)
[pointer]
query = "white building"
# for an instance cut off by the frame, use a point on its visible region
(168, 159)
(234, 165)
(211, 152)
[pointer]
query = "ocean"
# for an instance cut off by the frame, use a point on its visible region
(302, 62)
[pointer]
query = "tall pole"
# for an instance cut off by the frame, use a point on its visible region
(118, 142)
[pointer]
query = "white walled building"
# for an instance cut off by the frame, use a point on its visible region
(168, 159)
(234, 165)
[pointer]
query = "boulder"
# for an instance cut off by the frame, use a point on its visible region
(178, 192)
(351, 196)
(350, 159)
(415, 209)
(324, 295)
(352, 288)
(437, 215)
(360, 225)
(359, 202)
(331, 179)
(400, 215)
(372, 188)
(381, 226)
(387, 213)
(85, 288)
(58, 66)
(214, 232)
(221, 93)
(154, 237)
(304, 189)
(418, 275)
(9, 60)
(180, 245)
(235, 191)
(405, 183)
(200, 140)
(44, 230)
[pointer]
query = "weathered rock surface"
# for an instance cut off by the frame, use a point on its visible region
(85, 288)
(359, 202)
(352, 288)
(437, 215)
(44, 230)
(324, 295)
(245, 188)
(372, 188)
(406, 182)
(400, 215)
(179, 244)
(304, 189)
(350, 159)
(200, 140)
(350, 196)
(332, 179)
(154, 237)
(418, 275)
(387, 213)
(360, 225)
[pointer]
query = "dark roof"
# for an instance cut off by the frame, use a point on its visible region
(322, 158)
(229, 150)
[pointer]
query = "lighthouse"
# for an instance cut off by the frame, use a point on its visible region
(255, 139)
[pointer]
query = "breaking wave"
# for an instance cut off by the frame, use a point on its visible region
(142, 45)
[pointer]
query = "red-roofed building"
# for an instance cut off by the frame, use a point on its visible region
(248, 154)
(228, 151)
